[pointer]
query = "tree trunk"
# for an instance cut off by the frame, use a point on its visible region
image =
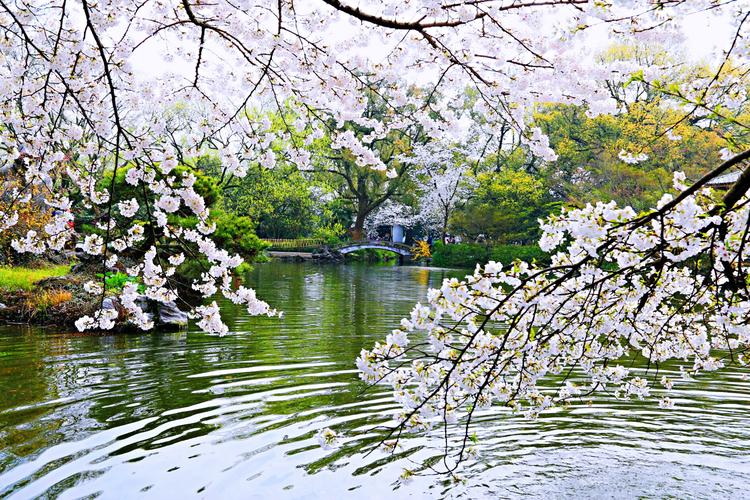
(359, 225)
(445, 226)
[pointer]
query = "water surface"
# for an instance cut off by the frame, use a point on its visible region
(181, 415)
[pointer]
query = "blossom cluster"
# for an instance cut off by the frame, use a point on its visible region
(667, 285)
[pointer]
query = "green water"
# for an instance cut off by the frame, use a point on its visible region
(184, 415)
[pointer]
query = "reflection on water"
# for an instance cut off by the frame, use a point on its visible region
(188, 414)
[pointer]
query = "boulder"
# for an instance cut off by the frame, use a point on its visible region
(170, 315)
(326, 254)
(110, 303)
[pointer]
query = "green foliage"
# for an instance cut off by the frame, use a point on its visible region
(505, 208)
(117, 280)
(507, 254)
(459, 255)
(471, 254)
(236, 234)
(24, 278)
(588, 167)
(204, 168)
(278, 200)
(332, 235)
(283, 201)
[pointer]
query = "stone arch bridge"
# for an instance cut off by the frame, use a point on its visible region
(402, 250)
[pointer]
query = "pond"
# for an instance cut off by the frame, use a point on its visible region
(176, 415)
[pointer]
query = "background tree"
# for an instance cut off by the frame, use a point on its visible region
(443, 182)
(280, 201)
(598, 158)
(363, 187)
(505, 207)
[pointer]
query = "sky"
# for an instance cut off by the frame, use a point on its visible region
(705, 36)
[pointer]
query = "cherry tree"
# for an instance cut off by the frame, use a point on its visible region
(391, 213)
(85, 86)
(442, 181)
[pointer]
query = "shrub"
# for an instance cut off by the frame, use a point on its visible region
(235, 234)
(459, 255)
(471, 254)
(332, 235)
(506, 254)
(48, 299)
(115, 282)
(421, 250)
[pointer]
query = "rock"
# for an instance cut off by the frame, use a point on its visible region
(142, 302)
(91, 264)
(61, 258)
(110, 303)
(2, 306)
(169, 314)
(82, 256)
(326, 254)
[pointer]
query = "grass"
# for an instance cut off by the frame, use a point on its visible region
(23, 278)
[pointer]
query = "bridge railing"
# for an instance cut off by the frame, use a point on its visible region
(294, 243)
(375, 243)
(289, 244)
(391, 244)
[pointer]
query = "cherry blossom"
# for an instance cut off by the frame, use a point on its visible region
(670, 285)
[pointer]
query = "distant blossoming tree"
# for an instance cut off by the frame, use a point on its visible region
(443, 182)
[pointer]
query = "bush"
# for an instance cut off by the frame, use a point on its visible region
(332, 235)
(421, 250)
(506, 254)
(42, 303)
(471, 254)
(116, 281)
(235, 234)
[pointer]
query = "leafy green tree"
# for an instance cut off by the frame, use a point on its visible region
(505, 207)
(279, 201)
(590, 163)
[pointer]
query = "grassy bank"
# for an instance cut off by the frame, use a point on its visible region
(23, 278)
(471, 254)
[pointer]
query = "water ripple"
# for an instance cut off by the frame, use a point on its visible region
(193, 415)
